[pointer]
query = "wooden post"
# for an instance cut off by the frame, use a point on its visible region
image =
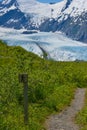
(24, 79)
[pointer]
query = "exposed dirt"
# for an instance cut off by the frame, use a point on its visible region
(65, 120)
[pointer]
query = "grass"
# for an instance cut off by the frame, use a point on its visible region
(51, 87)
(81, 117)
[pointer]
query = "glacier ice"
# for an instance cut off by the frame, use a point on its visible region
(57, 45)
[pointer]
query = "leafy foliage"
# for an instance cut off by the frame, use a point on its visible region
(81, 118)
(51, 87)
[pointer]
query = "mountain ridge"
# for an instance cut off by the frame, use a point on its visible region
(68, 16)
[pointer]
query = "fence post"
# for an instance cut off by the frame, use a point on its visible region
(23, 78)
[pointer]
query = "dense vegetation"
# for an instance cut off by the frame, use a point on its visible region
(81, 117)
(51, 87)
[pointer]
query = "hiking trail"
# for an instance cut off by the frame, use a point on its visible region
(65, 119)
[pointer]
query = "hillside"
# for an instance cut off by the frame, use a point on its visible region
(51, 86)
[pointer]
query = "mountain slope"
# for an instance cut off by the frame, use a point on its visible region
(11, 16)
(72, 20)
(68, 16)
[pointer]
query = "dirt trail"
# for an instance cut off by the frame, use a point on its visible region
(65, 120)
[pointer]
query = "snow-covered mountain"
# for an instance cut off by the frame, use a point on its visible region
(72, 20)
(68, 16)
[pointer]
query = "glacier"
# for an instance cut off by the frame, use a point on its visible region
(56, 45)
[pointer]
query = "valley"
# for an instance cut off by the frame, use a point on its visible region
(47, 42)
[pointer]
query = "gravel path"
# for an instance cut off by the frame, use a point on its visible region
(65, 120)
